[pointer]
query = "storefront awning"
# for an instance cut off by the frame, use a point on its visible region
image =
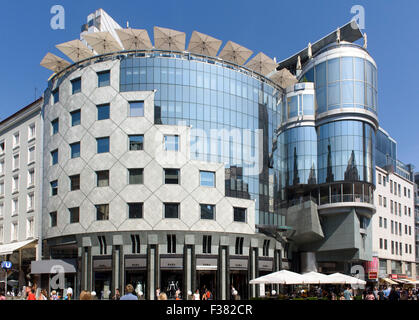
(12, 247)
(387, 280)
(53, 266)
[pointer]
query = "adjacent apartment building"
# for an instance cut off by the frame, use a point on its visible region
(20, 188)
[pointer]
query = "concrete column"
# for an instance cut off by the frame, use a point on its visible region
(253, 267)
(189, 265)
(153, 270)
(86, 264)
(277, 265)
(116, 269)
(223, 271)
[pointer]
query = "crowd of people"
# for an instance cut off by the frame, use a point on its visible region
(390, 293)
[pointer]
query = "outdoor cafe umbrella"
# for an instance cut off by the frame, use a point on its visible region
(134, 39)
(102, 42)
(279, 277)
(339, 278)
(235, 53)
(203, 44)
(262, 64)
(284, 78)
(168, 39)
(315, 278)
(54, 63)
(75, 50)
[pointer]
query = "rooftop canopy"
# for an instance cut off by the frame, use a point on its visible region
(102, 42)
(262, 64)
(75, 50)
(349, 32)
(168, 39)
(203, 44)
(134, 39)
(54, 63)
(235, 53)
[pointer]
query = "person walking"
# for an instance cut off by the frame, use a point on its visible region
(43, 295)
(394, 295)
(117, 295)
(2, 295)
(85, 295)
(129, 293)
(369, 296)
(196, 295)
(69, 294)
(31, 294)
(54, 295)
(348, 294)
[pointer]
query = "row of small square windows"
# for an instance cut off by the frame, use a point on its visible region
(136, 143)
(135, 211)
(103, 78)
(394, 186)
(136, 176)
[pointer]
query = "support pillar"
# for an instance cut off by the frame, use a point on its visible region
(153, 269)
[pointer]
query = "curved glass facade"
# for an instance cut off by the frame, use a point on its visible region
(298, 156)
(345, 82)
(346, 152)
(233, 117)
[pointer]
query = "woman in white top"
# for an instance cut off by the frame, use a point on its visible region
(196, 295)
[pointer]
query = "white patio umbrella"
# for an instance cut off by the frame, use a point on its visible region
(102, 42)
(203, 44)
(339, 278)
(75, 50)
(284, 78)
(134, 39)
(261, 63)
(279, 277)
(168, 39)
(235, 53)
(315, 278)
(54, 63)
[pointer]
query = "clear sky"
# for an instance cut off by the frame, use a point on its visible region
(278, 28)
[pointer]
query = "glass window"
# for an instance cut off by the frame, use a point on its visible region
(102, 145)
(76, 85)
(347, 68)
(321, 75)
(54, 157)
(76, 118)
(135, 210)
(347, 92)
(171, 143)
(135, 176)
(56, 96)
(333, 70)
(104, 78)
(136, 143)
(102, 178)
(207, 211)
(333, 94)
(75, 150)
(207, 178)
(308, 104)
(74, 215)
(53, 218)
(171, 176)
(55, 125)
(359, 69)
(102, 212)
(75, 182)
(103, 112)
(292, 103)
(171, 210)
(136, 109)
(240, 214)
(54, 188)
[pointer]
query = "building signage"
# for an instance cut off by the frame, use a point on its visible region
(372, 275)
(6, 265)
(393, 276)
(102, 264)
(136, 263)
(371, 266)
(402, 276)
(206, 263)
(171, 263)
(265, 265)
(239, 264)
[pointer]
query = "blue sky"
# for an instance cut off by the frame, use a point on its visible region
(278, 28)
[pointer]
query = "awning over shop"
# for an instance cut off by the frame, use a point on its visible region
(387, 280)
(53, 266)
(12, 247)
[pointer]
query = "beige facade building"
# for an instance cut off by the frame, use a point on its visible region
(394, 226)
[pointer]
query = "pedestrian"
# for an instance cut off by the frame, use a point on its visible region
(2, 296)
(43, 295)
(157, 293)
(69, 294)
(85, 295)
(369, 296)
(54, 295)
(196, 295)
(348, 294)
(162, 296)
(117, 295)
(31, 294)
(93, 294)
(394, 295)
(129, 293)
